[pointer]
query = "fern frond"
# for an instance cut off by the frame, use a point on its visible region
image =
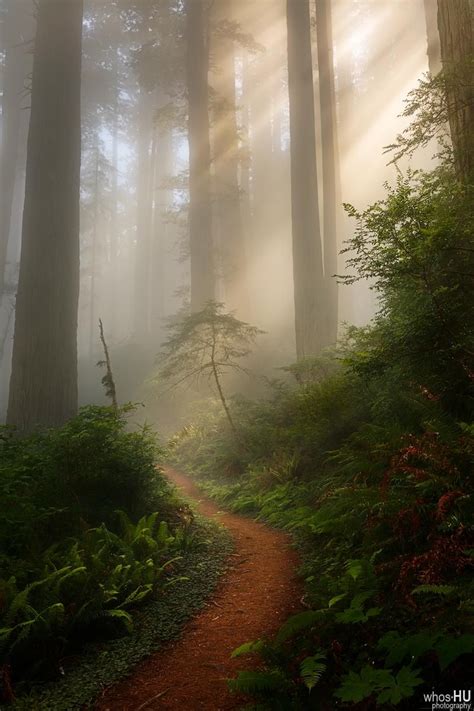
(312, 669)
(297, 623)
(258, 682)
(248, 648)
(433, 589)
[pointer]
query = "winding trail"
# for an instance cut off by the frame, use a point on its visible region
(255, 595)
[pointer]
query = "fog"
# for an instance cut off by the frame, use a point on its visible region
(135, 254)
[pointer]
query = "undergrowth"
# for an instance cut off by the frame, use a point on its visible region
(367, 460)
(89, 531)
(159, 620)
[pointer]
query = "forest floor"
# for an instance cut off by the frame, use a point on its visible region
(257, 593)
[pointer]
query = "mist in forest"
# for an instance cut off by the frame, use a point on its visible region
(186, 173)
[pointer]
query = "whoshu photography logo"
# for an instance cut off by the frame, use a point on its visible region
(457, 700)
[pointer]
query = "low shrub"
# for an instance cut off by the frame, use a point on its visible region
(89, 529)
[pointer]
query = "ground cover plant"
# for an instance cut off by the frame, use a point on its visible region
(159, 620)
(367, 459)
(89, 530)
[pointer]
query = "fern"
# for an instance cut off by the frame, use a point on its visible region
(298, 623)
(248, 648)
(312, 669)
(258, 682)
(120, 616)
(433, 589)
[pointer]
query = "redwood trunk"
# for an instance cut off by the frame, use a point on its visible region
(14, 73)
(433, 49)
(200, 212)
(226, 168)
(327, 95)
(307, 252)
(455, 25)
(43, 388)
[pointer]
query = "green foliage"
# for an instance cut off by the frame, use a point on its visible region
(203, 342)
(73, 567)
(416, 247)
(83, 591)
(312, 668)
(248, 648)
(256, 682)
(54, 483)
(297, 623)
(85, 675)
(379, 682)
(447, 647)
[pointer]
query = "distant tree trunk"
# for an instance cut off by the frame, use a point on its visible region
(162, 239)
(144, 209)
(226, 164)
(114, 236)
(43, 388)
(200, 211)
(433, 49)
(95, 228)
(245, 157)
(455, 24)
(307, 252)
(14, 74)
(260, 85)
(327, 95)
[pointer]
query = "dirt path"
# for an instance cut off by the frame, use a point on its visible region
(254, 597)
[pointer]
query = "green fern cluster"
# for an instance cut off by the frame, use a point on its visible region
(89, 529)
(84, 590)
(389, 676)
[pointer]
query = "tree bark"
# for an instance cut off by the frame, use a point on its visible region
(114, 221)
(455, 24)
(94, 236)
(307, 253)
(144, 213)
(433, 49)
(226, 165)
(43, 389)
(200, 211)
(327, 96)
(162, 277)
(15, 69)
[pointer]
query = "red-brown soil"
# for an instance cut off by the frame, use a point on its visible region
(255, 595)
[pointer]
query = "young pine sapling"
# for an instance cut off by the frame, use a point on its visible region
(209, 343)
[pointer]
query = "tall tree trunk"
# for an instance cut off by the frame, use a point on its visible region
(114, 236)
(261, 71)
(455, 24)
(161, 231)
(245, 162)
(433, 49)
(144, 209)
(94, 235)
(226, 164)
(200, 211)
(14, 74)
(43, 389)
(327, 96)
(307, 252)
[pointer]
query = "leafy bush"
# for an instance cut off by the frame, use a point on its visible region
(57, 482)
(74, 560)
